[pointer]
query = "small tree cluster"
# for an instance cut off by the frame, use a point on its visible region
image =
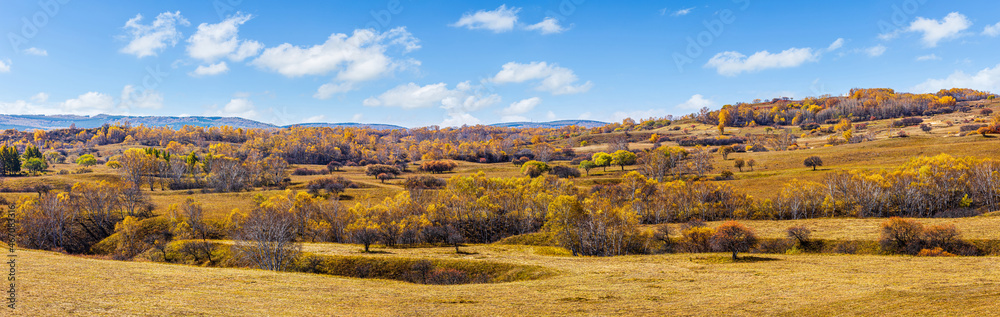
(438, 167)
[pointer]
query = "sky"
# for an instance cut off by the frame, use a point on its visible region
(419, 63)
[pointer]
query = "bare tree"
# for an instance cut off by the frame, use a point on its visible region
(265, 238)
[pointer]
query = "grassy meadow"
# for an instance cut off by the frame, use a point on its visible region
(685, 284)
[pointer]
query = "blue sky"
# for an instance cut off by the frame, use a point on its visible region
(451, 63)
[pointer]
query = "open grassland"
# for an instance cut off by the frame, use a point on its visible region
(52, 284)
(976, 228)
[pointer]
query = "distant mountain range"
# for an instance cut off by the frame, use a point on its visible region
(44, 122)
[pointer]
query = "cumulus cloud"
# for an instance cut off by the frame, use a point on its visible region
(237, 107)
(992, 30)
(549, 77)
(457, 102)
(681, 12)
(505, 19)
(214, 41)
(4, 65)
(734, 63)
(359, 57)
(210, 70)
(547, 26)
(36, 51)
(987, 79)
(148, 39)
(933, 31)
(90, 103)
(696, 102)
(515, 111)
(500, 20)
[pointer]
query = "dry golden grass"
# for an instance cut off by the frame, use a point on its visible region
(676, 285)
(978, 228)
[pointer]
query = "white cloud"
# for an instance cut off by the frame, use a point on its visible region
(733, 63)
(522, 106)
(681, 12)
(359, 57)
(40, 97)
(515, 110)
(875, 51)
(357, 117)
(210, 70)
(585, 116)
(500, 20)
(147, 40)
(987, 79)
(930, 57)
(88, 102)
(696, 102)
(992, 30)
(144, 99)
(456, 102)
(935, 31)
(835, 45)
(214, 41)
(459, 119)
(547, 26)
(411, 96)
(237, 107)
(36, 51)
(550, 115)
(328, 90)
(4, 65)
(554, 79)
(314, 119)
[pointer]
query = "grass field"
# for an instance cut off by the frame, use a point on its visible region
(653, 285)
(52, 284)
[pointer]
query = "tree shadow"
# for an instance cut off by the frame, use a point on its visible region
(722, 259)
(375, 252)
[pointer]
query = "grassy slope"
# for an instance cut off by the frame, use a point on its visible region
(681, 284)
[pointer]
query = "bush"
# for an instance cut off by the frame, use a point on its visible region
(424, 182)
(774, 246)
(334, 166)
(906, 122)
(377, 169)
(970, 127)
(438, 166)
(901, 236)
(695, 237)
(306, 171)
(333, 186)
(565, 172)
(534, 168)
(986, 112)
(734, 237)
(934, 252)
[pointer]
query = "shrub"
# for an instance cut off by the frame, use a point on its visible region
(377, 169)
(970, 127)
(800, 234)
(934, 252)
(438, 166)
(424, 182)
(534, 168)
(901, 235)
(306, 171)
(986, 112)
(774, 246)
(695, 237)
(733, 237)
(565, 172)
(332, 185)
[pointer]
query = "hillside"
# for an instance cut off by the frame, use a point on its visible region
(551, 124)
